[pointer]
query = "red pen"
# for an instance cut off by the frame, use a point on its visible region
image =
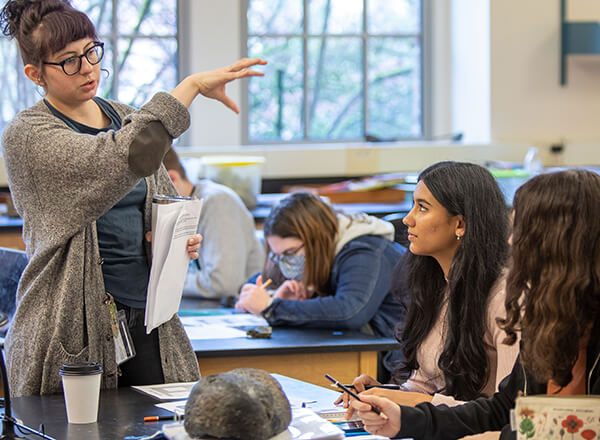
(163, 418)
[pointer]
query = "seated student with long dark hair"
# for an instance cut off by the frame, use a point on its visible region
(553, 297)
(338, 270)
(458, 234)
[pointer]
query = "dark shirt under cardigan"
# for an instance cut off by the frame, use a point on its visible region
(120, 230)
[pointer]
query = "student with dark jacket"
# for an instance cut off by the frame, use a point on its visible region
(338, 271)
(553, 297)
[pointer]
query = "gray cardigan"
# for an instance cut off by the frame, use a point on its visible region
(61, 182)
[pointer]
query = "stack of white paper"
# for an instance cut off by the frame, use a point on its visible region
(305, 425)
(174, 223)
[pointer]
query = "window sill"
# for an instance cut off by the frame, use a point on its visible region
(359, 159)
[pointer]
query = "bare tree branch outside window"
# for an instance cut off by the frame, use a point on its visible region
(338, 70)
(141, 54)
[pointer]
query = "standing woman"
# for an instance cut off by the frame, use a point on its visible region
(553, 298)
(82, 172)
(458, 232)
(338, 270)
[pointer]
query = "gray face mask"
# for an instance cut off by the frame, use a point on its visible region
(291, 266)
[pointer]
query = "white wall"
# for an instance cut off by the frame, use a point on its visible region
(215, 29)
(470, 74)
(527, 102)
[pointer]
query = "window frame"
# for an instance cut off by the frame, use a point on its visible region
(115, 36)
(424, 38)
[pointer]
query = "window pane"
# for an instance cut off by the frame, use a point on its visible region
(394, 16)
(99, 11)
(148, 65)
(274, 17)
(275, 100)
(147, 17)
(335, 88)
(22, 92)
(335, 16)
(394, 103)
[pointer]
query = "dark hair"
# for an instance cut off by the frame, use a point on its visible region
(308, 218)
(553, 287)
(468, 190)
(172, 162)
(44, 27)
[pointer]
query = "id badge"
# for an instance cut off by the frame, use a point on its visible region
(124, 348)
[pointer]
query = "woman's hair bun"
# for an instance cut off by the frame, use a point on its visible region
(32, 10)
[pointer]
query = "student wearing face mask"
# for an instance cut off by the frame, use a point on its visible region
(337, 268)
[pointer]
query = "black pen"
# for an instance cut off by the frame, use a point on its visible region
(162, 418)
(349, 391)
(386, 386)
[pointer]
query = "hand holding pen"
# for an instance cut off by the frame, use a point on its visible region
(347, 391)
(359, 384)
(366, 385)
(385, 423)
(254, 298)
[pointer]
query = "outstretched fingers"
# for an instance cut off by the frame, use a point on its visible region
(245, 63)
(229, 103)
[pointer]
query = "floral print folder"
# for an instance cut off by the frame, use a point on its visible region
(557, 418)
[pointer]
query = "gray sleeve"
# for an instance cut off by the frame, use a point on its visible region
(63, 180)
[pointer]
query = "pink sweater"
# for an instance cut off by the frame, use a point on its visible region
(429, 379)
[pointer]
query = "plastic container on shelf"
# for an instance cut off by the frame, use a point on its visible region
(533, 162)
(240, 173)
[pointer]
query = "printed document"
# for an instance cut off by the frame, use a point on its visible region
(175, 224)
(228, 326)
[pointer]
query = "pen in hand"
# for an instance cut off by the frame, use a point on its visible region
(349, 391)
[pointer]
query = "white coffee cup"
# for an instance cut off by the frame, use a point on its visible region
(81, 386)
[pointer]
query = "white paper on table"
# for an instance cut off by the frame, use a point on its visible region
(305, 425)
(195, 333)
(177, 407)
(175, 224)
(232, 320)
(167, 391)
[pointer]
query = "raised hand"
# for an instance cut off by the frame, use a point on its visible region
(212, 83)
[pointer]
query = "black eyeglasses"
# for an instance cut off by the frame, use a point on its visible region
(72, 65)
